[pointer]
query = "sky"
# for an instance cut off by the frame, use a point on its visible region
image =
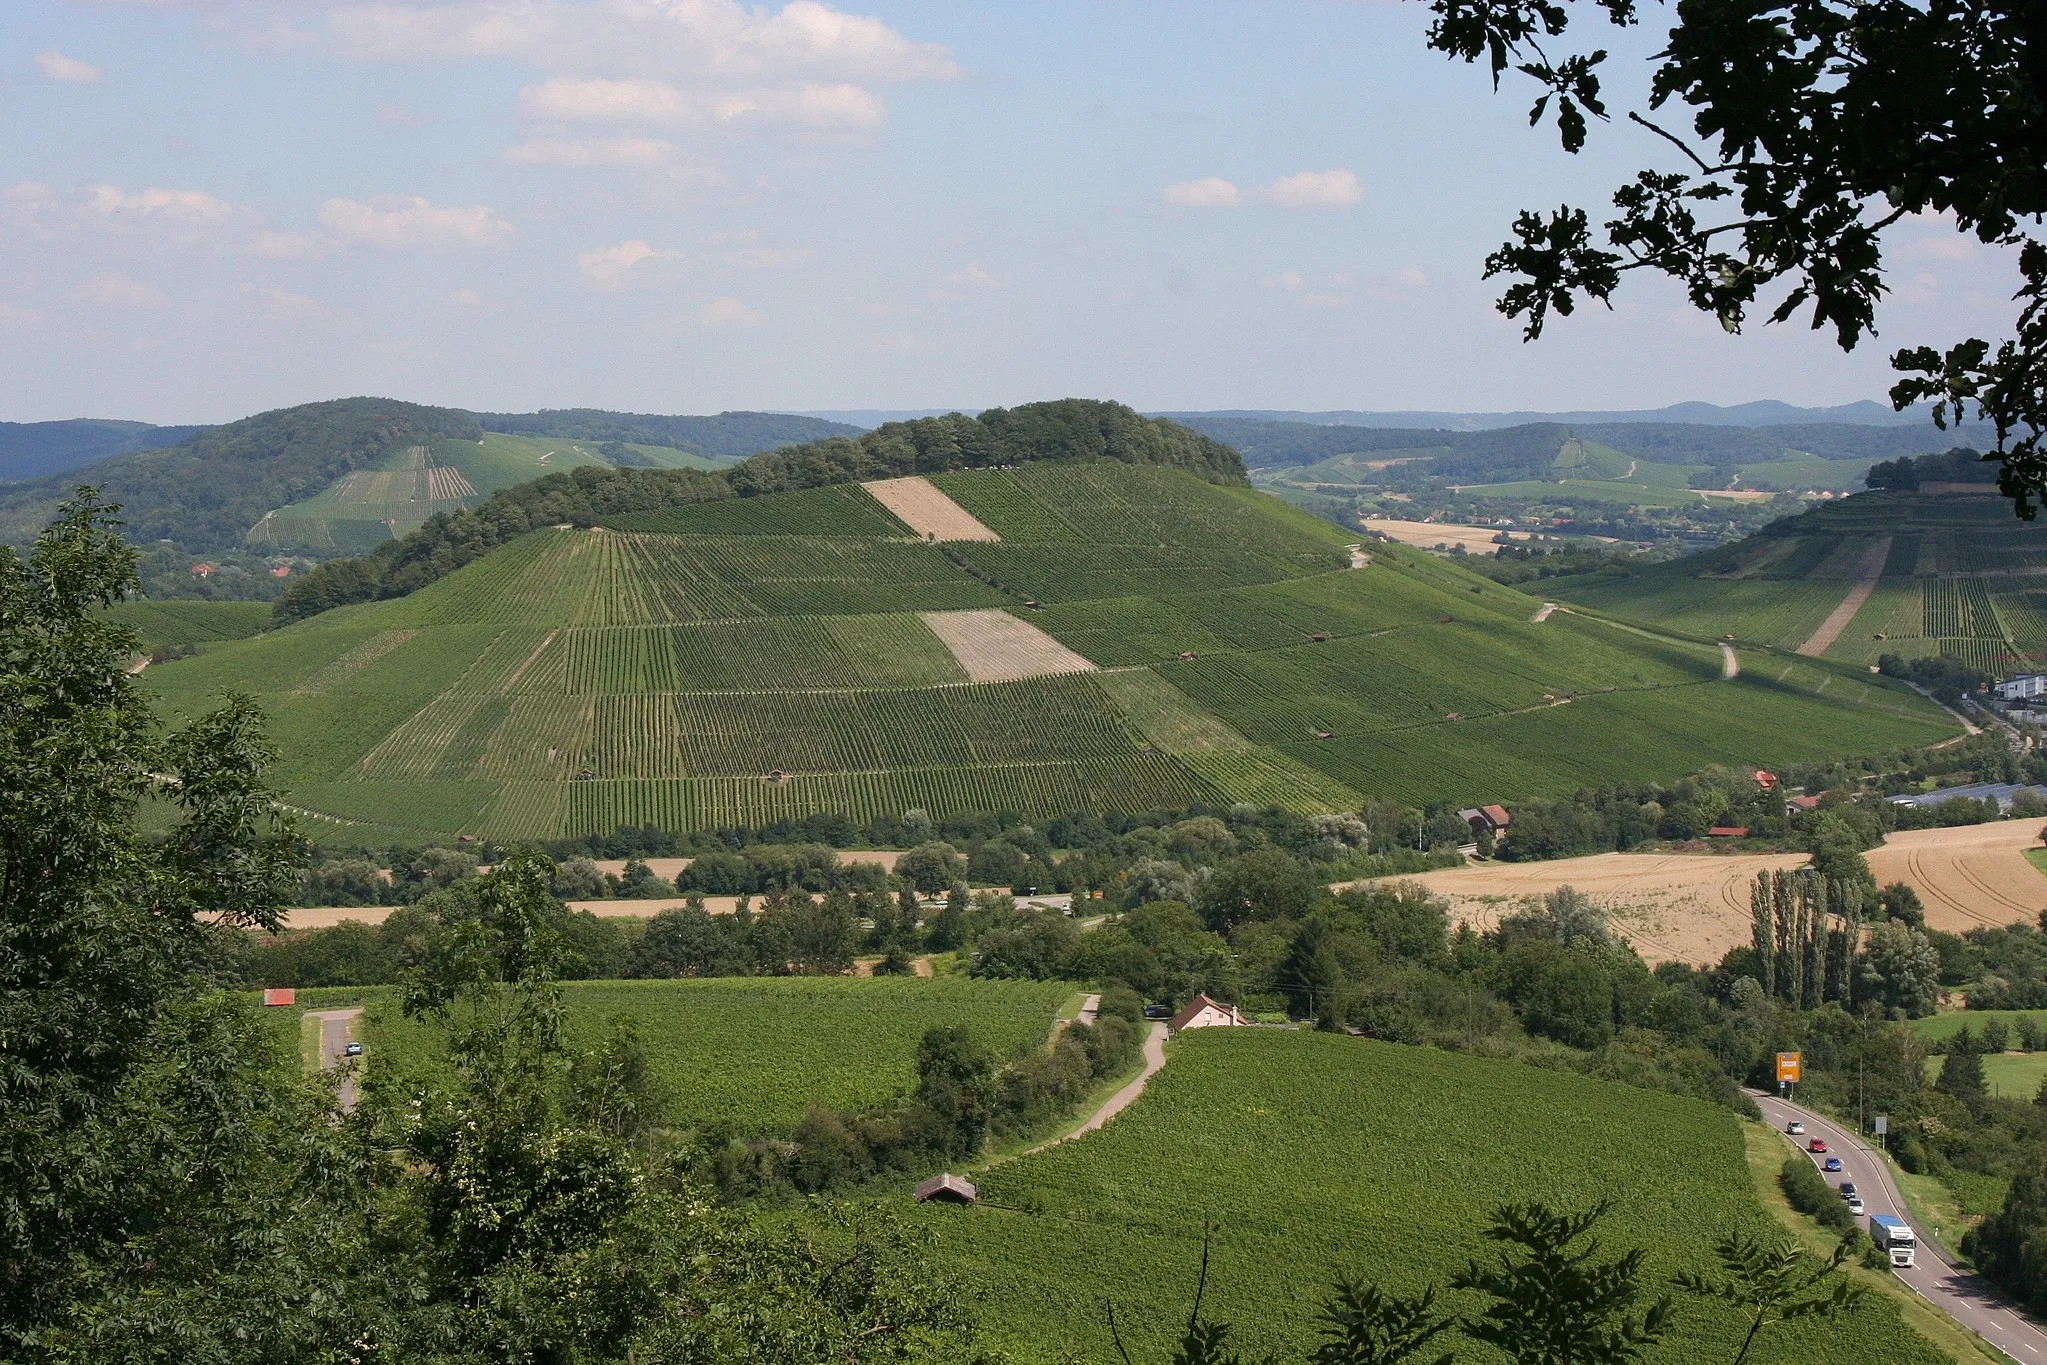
(215, 207)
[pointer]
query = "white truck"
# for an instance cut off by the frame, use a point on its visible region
(1892, 1238)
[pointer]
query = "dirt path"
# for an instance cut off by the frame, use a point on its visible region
(1868, 572)
(337, 1031)
(1154, 1058)
(1542, 613)
(1969, 727)
(1358, 557)
(1730, 666)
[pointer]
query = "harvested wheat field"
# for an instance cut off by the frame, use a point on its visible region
(993, 646)
(1477, 540)
(1693, 907)
(1968, 876)
(919, 504)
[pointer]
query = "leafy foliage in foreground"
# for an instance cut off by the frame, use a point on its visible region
(1815, 125)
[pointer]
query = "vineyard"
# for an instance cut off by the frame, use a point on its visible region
(763, 658)
(1406, 1151)
(1963, 579)
(757, 1051)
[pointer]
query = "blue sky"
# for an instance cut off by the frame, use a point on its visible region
(209, 207)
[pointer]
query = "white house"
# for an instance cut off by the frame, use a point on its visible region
(2027, 687)
(1202, 1012)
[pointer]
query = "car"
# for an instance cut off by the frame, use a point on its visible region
(1848, 1189)
(1795, 1128)
(352, 1050)
(1855, 1206)
(1832, 1163)
(1816, 1145)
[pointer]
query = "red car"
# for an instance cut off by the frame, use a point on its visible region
(1816, 1145)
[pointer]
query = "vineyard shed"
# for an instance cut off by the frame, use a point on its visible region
(946, 1189)
(1486, 819)
(1202, 1012)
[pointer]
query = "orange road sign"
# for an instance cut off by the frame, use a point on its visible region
(1788, 1067)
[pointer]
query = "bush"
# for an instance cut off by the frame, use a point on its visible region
(1810, 1194)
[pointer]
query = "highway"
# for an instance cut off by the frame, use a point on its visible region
(1960, 1294)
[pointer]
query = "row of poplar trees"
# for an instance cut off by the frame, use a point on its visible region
(1806, 931)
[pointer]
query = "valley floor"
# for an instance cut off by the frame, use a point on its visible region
(1693, 907)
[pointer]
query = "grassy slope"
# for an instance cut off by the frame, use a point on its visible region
(758, 1051)
(661, 669)
(1317, 1155)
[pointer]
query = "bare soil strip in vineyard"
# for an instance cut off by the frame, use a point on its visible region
(919, 505)
(1867, 573)
(1693, 907)
(520, 671)
(993, 646)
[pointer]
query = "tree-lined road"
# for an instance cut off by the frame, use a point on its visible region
(337, 1031)
(1963, 1296)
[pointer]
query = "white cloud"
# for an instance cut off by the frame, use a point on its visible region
(118, 291)
(809, 106)
(1290, 280)
(608, 151)
(1211, 193)
(725, 313)
(770, 258)
(56, 66)
(1952, 248)
(1314, 189)
(605, 100)
(281, 305)
(806, 104)
(289, 246)
(722, 39)
(183, 206)
(397, 221)
(613, 267)
(972, 276)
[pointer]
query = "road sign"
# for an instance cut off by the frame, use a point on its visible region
(1883, 1124)
(1787, 1067)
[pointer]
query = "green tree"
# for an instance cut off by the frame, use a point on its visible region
(1773, 1280)
(148, 1208)
(1961, 1071)
(1553, 1300)
(1901, 968)
(2010, 1246)
(1814, 125)
(932, 867)
(1364, 1325)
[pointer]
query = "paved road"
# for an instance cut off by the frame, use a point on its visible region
(337, 1030)
(1961, 1295)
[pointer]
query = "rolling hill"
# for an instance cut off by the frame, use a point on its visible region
(340, 477)
(1048, 636)
(1950, 574)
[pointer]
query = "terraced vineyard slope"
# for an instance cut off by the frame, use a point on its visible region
(1951, 574)
(1133, 636)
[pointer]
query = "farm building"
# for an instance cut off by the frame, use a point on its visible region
(946, 1189)
(2002, 792)
(1802, 803)
(1728, 832)
(1483, 819)
(1202, 1012)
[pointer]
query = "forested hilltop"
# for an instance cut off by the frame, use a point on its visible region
(726, 434)
(1065, 429)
